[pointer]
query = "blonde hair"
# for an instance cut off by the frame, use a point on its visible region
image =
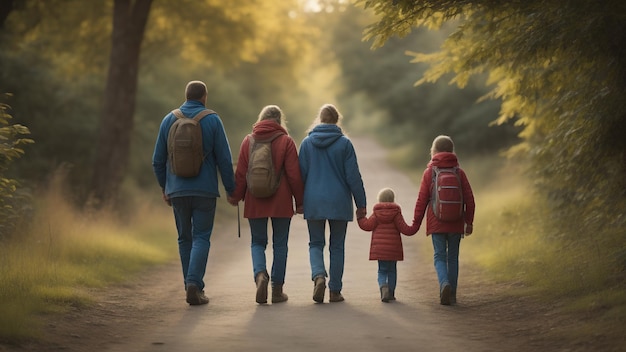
(273, 112)
(386, 195)
(329, 114)
(442, 143)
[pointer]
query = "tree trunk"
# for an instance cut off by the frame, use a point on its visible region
(116, 123)
(6, 6)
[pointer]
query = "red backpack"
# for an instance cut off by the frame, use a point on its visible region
(447, 194)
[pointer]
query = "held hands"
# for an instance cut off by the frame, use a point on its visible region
(415, 226)
(361, 213)
(232, 201)
(166, 199)
(468, 229)
(300, 209)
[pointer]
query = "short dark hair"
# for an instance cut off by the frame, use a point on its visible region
(195, 90)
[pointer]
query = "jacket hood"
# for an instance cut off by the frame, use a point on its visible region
(266, 129)
(444, 159)
(323, 135)
(191, 107)
(386, 212)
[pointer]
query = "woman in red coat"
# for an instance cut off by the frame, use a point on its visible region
(279, 206)
(386, 224)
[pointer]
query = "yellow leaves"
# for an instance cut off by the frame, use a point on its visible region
(9, 141)
(218, 33)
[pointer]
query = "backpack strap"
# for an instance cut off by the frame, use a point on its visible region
(179, 114)
(203, 113)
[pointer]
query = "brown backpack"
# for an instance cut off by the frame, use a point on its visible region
(261, 179)
(184, 144)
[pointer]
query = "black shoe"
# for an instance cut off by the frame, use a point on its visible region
(446, 291)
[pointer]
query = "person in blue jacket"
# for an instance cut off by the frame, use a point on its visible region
(332, 180)
(193, 199)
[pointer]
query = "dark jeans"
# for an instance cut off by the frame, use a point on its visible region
(194, 221)
(280, 237)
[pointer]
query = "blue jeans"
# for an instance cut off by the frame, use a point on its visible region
(388, 273)
(280, 236)
(446, 247)
(317, 241)
(194, 221)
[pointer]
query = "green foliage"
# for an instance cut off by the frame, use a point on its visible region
(560, 70)
(54, 58)
(13, 200)
(510, 242)
(409, 117)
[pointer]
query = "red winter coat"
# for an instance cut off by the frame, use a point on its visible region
(434, 225)
(285, 157)
(386, 224)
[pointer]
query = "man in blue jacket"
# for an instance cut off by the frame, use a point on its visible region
(194, 198)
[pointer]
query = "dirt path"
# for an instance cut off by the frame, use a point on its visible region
(150, 314)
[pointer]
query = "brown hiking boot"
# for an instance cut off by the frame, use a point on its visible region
(278, 295)
(319, 289)
(446, 291)
(195, 296)
(261, 280)
(335, 296)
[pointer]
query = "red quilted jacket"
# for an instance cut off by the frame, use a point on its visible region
(433, 225)
(386, 224)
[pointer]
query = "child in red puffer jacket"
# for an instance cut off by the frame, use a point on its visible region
(386, 224)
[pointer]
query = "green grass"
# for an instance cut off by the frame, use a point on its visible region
(65, 252)
(514, 241)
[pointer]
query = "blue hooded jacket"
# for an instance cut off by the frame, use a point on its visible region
(217, 156)
(331, 175)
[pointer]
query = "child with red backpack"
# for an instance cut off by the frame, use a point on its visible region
(446, 197)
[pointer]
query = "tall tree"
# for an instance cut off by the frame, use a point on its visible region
(6, 7)
(55, 56)
(116, 123)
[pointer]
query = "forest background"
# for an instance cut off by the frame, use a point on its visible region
(532, 93)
